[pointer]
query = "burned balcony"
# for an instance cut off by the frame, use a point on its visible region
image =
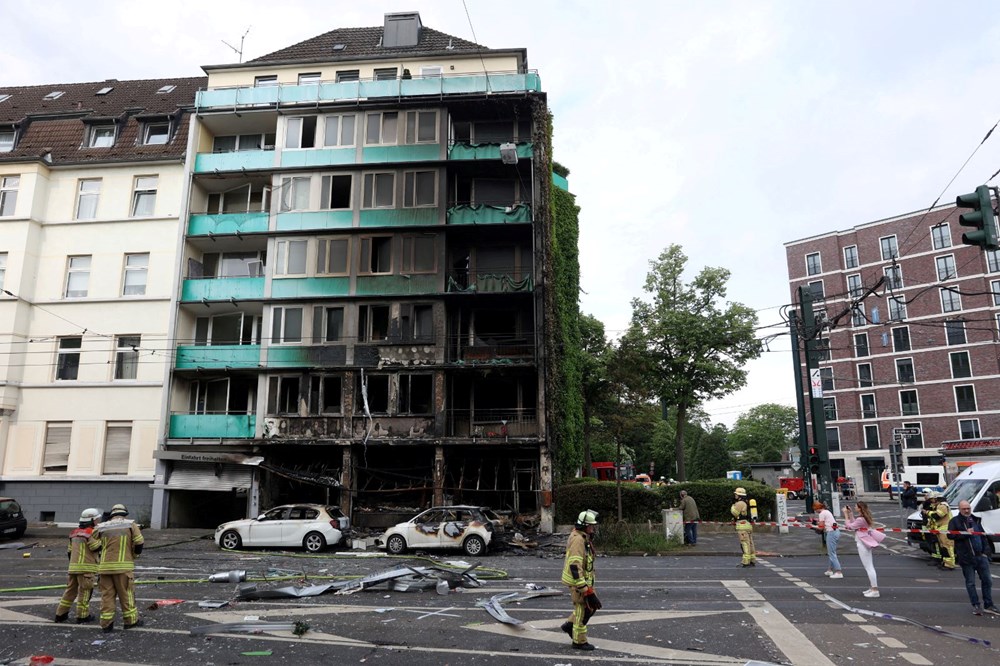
(489, 280)
(492, 424)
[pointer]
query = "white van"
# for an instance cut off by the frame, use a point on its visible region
(921, 477)
(980, 486)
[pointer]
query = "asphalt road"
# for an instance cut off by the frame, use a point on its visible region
(692, 608)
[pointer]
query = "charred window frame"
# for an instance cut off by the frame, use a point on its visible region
(377, 392)
(326, 394)
(416, 394)
(283, 395)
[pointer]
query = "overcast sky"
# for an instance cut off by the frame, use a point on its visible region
(727, 127)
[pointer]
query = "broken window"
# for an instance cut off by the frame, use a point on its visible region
(222, 396)
(295, 193)
(494, 191)
(378, 394)
(325, 393)
(283, 395)
(242, 199)
(336, 192)
(376, 254)
(373, 323)
(416, 393)
(331, 256)
(418, 254)
(301, 132)
(416, 322)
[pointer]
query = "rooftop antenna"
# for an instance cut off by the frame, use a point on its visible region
(239, 51)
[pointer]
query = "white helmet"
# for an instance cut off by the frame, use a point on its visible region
(741, 492)
(588, 517)
(90, 515)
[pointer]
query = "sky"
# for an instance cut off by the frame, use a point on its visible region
(729, 128)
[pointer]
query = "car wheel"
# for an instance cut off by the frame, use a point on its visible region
(231, 540)
(395, 545)
(474, 546)
(314, 542)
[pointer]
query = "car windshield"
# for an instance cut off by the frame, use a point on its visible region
(9, 506)
(335, 512)
(962, 489)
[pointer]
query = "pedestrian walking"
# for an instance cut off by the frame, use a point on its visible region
(973, 554)
(578, 575)
(119, 542)
(744, 528)
(689, 509)
(867, 540)
(82, 570)
(909, 496)
(831, 532)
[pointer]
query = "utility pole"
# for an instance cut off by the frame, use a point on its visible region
(800, 407)
(818, 463)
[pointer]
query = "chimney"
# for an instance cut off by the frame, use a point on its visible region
(402, 29)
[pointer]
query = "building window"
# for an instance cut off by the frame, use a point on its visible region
(851, 256)
(309, 78)
(908, 403)
(960, 364)
(336, 192)
(300, 132)
(431, 71)
(864, 375)
(242, 142)
(328, 324)
(3, 268)
(823, 349)
(969, 429)
(416, 394)
(871, 437)
(231, 264)
(995, 288)
(144, 196)
(965, 398)
(941, 236)
(290, 257)
(373, 393)
(816, 289)
(348, 75)
(376, 255)
(904, 370)
(893, 277)
(117, 447)
(136, 274)
(854, 288)
(868, 406)
(826, 377)
(227, 329)
(889, 249)
(418, 254)
(833, 439)
(421, 127)
(8, 194)
(101, 136)
(326, 394)
(382, 128)
(951, 300)
(901, 339)
(419, 189)
(955, 331)
(830, 409)
(946, 268)
(286, 325)
(68, 360)
(813, 264)
(57, 439)
(417, 323)
(127, 356)
(993, 260)
(379, 190)
(283, 395)
(858, 317)
(914, 441)
(295, 193)
(55, 94)
(77, 276)
(265, 81)
(339, 130)
(385, 73)
(7, 141)
(897, 308)
(163, 90)
(331, 256)
(155, 134)
(861, 344)
(373, 323)
(88, 193)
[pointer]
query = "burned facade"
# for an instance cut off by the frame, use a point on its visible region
(359, 311)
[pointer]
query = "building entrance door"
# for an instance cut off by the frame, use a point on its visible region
(871, 474)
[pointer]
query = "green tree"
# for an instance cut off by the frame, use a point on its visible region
(710, 459)
(690, 344)
(763, 433)
(595, 351)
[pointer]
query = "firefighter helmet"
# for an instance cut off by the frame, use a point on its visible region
(741, 492)
(119, 510)
(588, 517)
(90, 515)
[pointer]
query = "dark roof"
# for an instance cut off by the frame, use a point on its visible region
(57, 127)
(365, 43)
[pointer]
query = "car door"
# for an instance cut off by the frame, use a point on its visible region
(300, 521)
(424, 530)
(988, 509)
(266, 531)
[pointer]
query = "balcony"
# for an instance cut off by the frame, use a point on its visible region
(315, 287)
(423, 152)
(486, 151)
(212, 426)
(358, 91)
(400, 217)
(222, 289)
(397, 285)
(488, 281)
(217, 356)
(227, 224)
(312, 157)
(483, 214)
(496, 351)
(320, 219)
(240, 160)
(492, 424)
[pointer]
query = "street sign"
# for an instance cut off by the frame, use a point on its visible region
(897, 438)
(906, 432)
(816, 383)
(796, 466)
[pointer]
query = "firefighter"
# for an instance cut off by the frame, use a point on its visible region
(744, 528)
(941, 514)
(929, 522)
(119, 542)
(578, 575)
(82, 570)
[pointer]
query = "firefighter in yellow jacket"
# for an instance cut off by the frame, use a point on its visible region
(119, 542)
(744, 528)
(82, 570)
(940, 514)
(578, 574)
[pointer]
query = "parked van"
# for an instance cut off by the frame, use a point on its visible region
(980, 486)
(921, 477)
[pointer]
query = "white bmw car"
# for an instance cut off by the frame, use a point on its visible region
(309, 526)
(465, 527)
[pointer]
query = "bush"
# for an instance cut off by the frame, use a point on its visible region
(624, 538)
(715, 497)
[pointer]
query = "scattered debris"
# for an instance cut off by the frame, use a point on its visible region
(212, 604)
(29, 555)
(297, 628)
(495, 608)
(42, 659)
(257, 653)
(17, 545)
(162, 603)
(235, 576)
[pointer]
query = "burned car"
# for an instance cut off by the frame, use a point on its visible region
(465, 527)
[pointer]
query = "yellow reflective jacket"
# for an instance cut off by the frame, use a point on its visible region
(941, 515)
(116, 539)
(739, 511)
(82, 560)
(579, 552)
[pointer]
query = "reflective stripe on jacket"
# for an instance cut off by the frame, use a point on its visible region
(579, 552)
(81, 558)
(116, 540)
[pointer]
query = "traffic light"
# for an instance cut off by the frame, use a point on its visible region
(981, 218)
(813, 460)
(896, 457)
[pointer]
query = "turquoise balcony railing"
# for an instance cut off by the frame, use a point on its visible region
(406, 153)
(290, 94)
(212, 426)
(217, 356)
(227, 223)
(397, 285)
(560, 181)
(486, 151)
(483, 214)
(318, 219)
(399, 217)
(314, 287)
(309, 157)
(223, 289)
(235, 161)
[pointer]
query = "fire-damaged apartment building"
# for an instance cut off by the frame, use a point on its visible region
(360, 296)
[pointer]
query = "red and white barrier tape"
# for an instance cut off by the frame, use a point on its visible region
(796, 523)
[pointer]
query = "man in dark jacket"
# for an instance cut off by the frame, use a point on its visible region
(972, 553)
(909, 496)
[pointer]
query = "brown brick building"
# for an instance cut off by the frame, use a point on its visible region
(912, 335)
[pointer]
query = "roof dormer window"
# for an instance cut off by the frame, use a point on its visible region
(4, 98)
(165, 89)
(55, 94)
(7, 137)
(104, 91)
(101, 136)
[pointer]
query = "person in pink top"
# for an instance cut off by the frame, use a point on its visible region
(826, 522)
(867, 539)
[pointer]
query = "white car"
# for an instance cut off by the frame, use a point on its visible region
(465, 527)
(310, 526)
